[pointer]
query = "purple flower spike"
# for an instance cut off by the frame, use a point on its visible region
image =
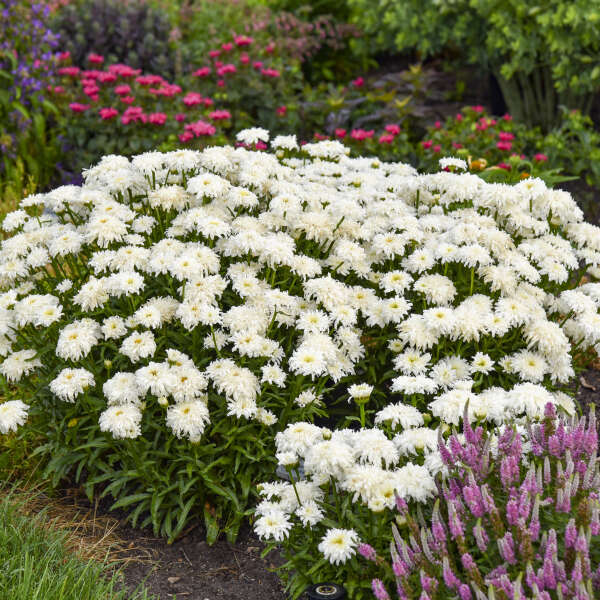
(379, 590)
(367, 551)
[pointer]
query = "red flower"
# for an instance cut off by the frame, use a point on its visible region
(207, 102)
(221, 83)
(202, 72)
(260, 145)
(459, 117)
(244, 58)
(95, 59)
(386, 138)
(227, 47)
(358, 82)
(70, 71)
(167, 89)
(437, 148)
(180, 117)
(457, 145)
(393, 129)
(122, 90)
(157, 118)
(505, 136)
(540, 157)
(64, 56)
(58, 89)
(77, 107)
(504, 166)
(218, 115)
(91, 90)
(242, 40)
(107, 77)
(270, 48)
(186, 136)
(320, 136)
(478, 108)
(341, 133)
(133, 113)
(270, 72)
(257, 64)
(198, 128)
(108, 113)
(426, 144)
(127, 99)
(281, 110)
(503, 146)
(192, 99)
(214, 53)
(124, 70)
(225, 69)
(362, 134)
(150, 80)
(507, 117)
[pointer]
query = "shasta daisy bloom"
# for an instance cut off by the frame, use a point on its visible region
(308, 361)
(138, 346)
(156, 378)
(188, 419)
(415, 440)
(309, 514)
(64, 286)
(13, 414)
(405, 415)
(253, 135)
(481, 363)
(338, 545)
(19, 364)
(265, 417)
(412, 362)
(360, 391)
(113, 328)
(70, 383)
(122, 388)
(273, 374)
(273, 524)
(415, 482)
(122, 421)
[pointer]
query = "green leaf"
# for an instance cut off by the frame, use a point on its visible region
(212, 525)
(129, 500)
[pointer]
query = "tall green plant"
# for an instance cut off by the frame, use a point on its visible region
(543, 53)
(30, 147)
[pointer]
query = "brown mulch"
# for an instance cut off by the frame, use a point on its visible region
(188, 569)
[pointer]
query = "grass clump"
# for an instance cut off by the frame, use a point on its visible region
(37, 561)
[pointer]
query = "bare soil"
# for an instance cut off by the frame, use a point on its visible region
(190, 569)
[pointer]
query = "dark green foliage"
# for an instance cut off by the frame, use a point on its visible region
(119, 30)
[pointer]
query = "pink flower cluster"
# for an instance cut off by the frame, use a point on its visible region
(123, 93)
(221, 69)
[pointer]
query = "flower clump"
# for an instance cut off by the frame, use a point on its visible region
(193, 293)
(517, 517)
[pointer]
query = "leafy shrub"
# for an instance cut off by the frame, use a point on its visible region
(517, 516)
(28, 57)
(128, 31)
(498, 149)
(542, 56)
(168, 318)
(254, 83)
